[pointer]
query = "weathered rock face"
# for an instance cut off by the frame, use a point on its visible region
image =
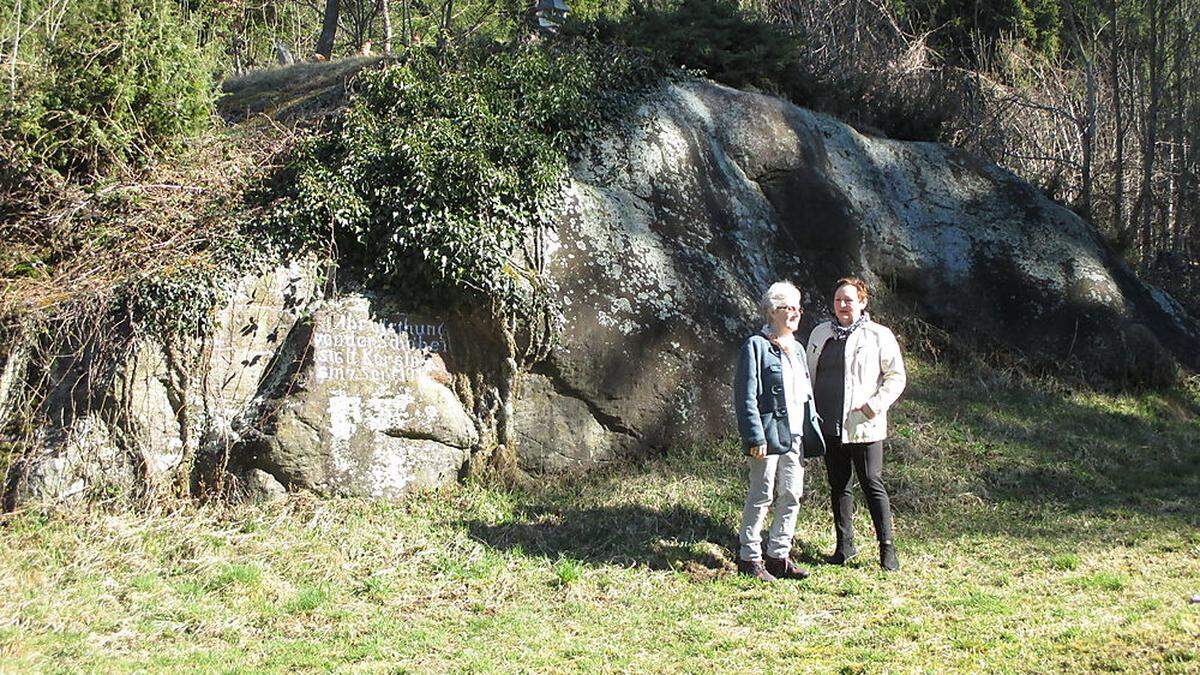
(136, 431)
(341, 395)
(670, 228)
(674, 225)
(81, 462)
(373, 412)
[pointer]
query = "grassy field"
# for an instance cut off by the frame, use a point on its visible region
(1039, 530)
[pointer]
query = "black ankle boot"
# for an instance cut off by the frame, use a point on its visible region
(887, 556)
(842, 555)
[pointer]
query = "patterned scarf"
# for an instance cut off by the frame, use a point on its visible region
(841, 332)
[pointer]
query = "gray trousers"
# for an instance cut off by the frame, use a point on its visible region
(777, 482)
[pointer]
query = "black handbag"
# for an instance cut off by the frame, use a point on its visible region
(812, 441)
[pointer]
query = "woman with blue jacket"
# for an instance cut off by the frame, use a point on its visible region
(772, 399)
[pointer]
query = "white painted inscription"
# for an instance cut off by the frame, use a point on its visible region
(350, 346)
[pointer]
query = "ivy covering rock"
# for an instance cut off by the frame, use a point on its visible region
(445, 164)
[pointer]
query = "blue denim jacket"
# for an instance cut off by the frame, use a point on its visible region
(760, 406)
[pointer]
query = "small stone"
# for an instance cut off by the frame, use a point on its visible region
(1195, 600)
(263, 487)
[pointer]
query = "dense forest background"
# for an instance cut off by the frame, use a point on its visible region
(1095, 101)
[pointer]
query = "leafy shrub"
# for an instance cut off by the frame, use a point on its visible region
(780, 54)
(962, 28)
(118, 82)
(912, 106)
(443, 165)
(178, 300)
(718, 37)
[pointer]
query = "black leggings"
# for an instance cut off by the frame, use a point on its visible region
(867, 462)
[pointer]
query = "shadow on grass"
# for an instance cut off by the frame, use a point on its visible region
(678, 511)
(623, 535)
(970, 459)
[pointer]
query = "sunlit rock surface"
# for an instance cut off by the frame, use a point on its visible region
(673, 224)
(670, 226)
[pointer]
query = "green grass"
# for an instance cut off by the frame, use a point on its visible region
(1039, 529)
(568, 571)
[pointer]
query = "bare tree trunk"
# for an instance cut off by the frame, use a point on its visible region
(16, 48)
(1190, 186)
(328, 29)
(447, 19)
(1137, 122)
(1087, 128)
(1171, 221)
(1178, 125)
(406, 19)
(385, 9)
(1118, 194)
(1150, 134)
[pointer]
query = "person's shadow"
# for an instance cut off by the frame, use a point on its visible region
(675, 538)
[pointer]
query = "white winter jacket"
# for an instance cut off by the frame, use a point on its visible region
(874, 375)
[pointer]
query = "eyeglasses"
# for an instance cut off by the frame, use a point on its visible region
(790, 308)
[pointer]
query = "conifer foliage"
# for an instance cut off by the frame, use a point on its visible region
(106, 83)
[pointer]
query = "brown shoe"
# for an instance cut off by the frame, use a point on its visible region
(784, 568)
(754, 568)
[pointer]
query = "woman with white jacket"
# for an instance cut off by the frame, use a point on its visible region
(857, 374)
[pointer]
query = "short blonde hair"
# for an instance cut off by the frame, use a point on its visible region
(780, 293)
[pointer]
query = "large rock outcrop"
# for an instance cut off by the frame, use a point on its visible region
(674, 224)
(670, 226)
